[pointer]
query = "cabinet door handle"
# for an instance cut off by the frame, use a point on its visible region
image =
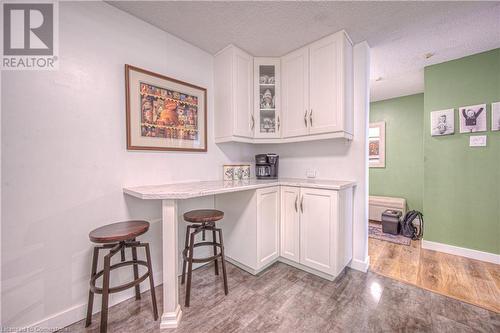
(253, 122)
(279, 123)
(311, 117)
(305, 118)
(296, 200)
(302, 204)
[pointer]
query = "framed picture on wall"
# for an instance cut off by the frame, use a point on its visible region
(376, 145)
(472, 118)
(164, 113)
(495, 116)
(443, 122)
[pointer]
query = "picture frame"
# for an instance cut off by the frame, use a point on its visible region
(472, 118)
(376, 145)
(495, 116)
(443, 122)
(163, 113)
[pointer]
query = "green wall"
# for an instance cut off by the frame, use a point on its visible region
(403, 172)
(462, 184)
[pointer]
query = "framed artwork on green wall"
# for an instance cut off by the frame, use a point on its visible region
(472, 118)
(443, 122)
(376, 145)
(495, 116)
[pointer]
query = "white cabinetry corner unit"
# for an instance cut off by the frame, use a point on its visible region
(311, 92)
(233, 77)
(251, 227)
(305, 227)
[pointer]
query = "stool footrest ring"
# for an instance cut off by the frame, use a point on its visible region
(203, 260)
(122, 287)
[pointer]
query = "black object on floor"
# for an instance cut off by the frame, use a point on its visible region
(390, 222)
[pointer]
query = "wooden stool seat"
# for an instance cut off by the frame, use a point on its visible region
(118, 232)
(203, 215)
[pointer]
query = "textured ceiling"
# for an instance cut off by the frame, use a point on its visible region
(399, 33)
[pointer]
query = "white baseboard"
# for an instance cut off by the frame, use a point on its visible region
(462, 251)
(359, 265)
(78, 312)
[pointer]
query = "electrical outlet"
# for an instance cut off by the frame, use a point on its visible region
(311, 173)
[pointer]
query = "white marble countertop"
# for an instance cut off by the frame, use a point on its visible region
(204, 188)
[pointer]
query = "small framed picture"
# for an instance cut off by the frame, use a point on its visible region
(443, 122)
(495, 116)
(376, 145)
(472, 118)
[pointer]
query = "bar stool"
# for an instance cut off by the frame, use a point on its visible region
(203, 220)
(117, 237)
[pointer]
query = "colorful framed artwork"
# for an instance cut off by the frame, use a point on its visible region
(164, 113)
(495, 116)
(472, 118)
(376, 145)
(443, 122)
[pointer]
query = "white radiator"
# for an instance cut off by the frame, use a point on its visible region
(377, 205)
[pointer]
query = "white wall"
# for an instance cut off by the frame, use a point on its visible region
(64, 158)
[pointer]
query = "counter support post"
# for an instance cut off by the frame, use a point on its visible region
(172, 312)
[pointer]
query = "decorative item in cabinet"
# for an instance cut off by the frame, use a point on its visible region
(236, 171)
(267, 111)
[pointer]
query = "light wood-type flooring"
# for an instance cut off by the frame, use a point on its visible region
(285, 299)
(472, 281)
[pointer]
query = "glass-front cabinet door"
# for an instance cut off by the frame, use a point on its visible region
(267, 97)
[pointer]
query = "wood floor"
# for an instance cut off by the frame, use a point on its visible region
(285, 299)
(468, 280)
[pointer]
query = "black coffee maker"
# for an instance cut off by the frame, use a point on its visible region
(266, 166)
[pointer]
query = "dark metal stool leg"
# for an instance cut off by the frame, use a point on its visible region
(186, 243)
(136, 273)
(151, 283)
(216, 264)
(105, 293)
(190, 269)
(90, 305)
(123, 253)
(223, 261)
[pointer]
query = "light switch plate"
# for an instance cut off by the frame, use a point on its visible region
(477, 141)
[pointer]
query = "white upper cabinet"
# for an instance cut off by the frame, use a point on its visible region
(318, 80)
(267, 90)
(312, 100)
(295, 93)
(233, 77)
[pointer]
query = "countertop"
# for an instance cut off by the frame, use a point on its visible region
(204, 188)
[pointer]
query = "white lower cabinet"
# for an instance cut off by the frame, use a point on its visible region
(268, 217)
(305, 226)
(251, 227)
(290, 223)
(316, 228)
(317, 221)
